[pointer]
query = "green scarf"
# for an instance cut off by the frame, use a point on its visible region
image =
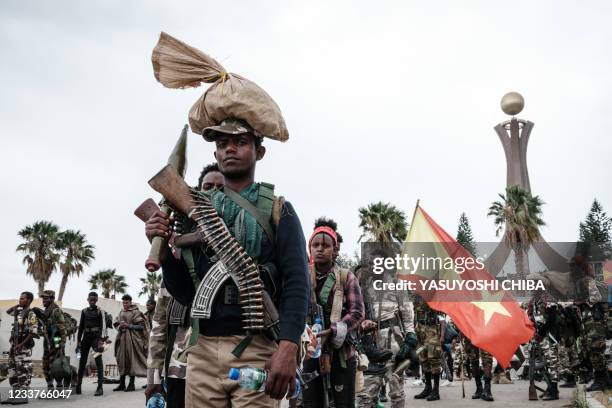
(242, 225)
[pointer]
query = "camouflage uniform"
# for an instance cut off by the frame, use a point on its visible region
(474, 355)
(55, 338)
(20, 364)
(594, 315)
(387, 308)
(568, 345)
(547, 319)
(162, 361)
(428, 331)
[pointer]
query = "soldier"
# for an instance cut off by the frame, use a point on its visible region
(336, 299)
(262, 225)
(169, 334)
(430, 350)
(568, 344)
(393, 312)
(130, 344)
(211, 178)
(545, 315)
(171, 324)
(25, 330)
(474, 355)
(55, 339)
(92, 331)
(150, 311)
(594, 313)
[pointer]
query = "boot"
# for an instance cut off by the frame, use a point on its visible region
(600, 382)
(78, 388)
(552, 392)
(570, 382)
(476, 375)
(99, 390)
(425, 393)
(121, 386)
(486, 394)
(131, 386)
(435, 392)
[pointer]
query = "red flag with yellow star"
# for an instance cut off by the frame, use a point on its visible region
(489, 316)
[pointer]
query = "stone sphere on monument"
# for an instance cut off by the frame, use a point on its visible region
(512, 103)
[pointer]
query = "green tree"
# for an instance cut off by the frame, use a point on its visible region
(596, 227)
(110, 283)
(150, 284)
(40, 247)
(519, 214)
(465, 237)
(76, 253)
(382, 222)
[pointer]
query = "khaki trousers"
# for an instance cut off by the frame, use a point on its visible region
(208, 364)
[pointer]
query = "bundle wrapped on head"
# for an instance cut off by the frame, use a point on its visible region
(178, 65)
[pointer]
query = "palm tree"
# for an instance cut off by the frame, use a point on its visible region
(76, 253)
(519, 213)
(109, 282)
(40, 247)
(150, 284)
(382, 222)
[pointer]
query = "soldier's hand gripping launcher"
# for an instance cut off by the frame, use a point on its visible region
(258, 311)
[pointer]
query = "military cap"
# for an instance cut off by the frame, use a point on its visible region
(48, 293)
(229, 126)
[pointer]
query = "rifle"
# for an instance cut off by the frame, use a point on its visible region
(178, 160)
(258, 311)
(40, 315)
(326, 377)
(535, 366)
(462, 360)
(17, 310)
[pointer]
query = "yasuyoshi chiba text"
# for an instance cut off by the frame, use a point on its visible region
(491, 285)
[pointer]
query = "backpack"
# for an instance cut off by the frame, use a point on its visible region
(70, 324)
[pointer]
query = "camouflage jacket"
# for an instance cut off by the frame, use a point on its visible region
(55, 323)
(27, 322)
(158, 342)
(389, 305)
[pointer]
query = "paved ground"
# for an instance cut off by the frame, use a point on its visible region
(506, 396)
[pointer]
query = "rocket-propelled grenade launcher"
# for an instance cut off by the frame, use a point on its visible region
(178, 160)
(258, 311)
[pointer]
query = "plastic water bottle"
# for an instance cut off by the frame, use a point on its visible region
(317, 328)
(255, 379)
(156, 401)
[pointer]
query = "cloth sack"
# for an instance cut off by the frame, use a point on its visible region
(178, 65)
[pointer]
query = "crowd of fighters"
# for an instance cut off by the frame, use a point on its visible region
(371, 340)
(54, 327)
(380, 339)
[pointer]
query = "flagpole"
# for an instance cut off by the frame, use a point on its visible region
(413, 215)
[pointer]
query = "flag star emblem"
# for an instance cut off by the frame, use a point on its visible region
(491, 304)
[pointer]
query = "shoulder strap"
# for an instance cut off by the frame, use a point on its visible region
(336, 311)
(259, 215)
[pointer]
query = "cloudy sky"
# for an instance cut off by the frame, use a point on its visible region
(390, 102)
